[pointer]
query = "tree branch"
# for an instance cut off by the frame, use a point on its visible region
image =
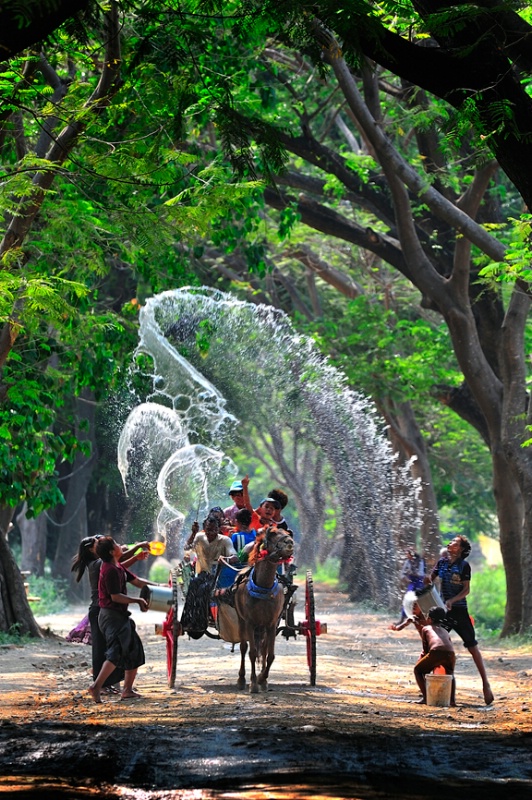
(343, 283)
(400, 168)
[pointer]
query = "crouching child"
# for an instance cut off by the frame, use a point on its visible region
(438, 651)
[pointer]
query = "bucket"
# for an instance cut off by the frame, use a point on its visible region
(439, 690)
(159, 598)
(428, 598)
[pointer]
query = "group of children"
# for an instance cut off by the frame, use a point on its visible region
(454, 574)
(228, 534)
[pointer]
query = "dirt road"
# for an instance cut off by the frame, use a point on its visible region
(358, 734)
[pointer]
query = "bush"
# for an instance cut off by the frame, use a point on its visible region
(13, 636)
(487, 598)
(51, 593)
(326, 573)
(159, 573)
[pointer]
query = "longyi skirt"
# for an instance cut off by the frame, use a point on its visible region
(123, 645)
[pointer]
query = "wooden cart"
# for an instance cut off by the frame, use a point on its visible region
(310, 627)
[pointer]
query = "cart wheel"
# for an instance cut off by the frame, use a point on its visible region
(171, 633)
(310, 631)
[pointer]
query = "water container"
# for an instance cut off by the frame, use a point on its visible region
(439, 690)
(428, 598)
(159, 598)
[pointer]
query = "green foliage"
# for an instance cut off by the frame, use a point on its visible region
(51, 593)
(14, 637)
(327, 573)
(288, 217)
(29, 450)
(159, 573)
(487, 598)
(518, 258)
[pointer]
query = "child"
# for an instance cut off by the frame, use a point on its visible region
(266, 511)
(282, 499)
(455, 575)
(438, 651)
(244, 534)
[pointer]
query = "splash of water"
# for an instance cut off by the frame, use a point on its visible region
(210, 353)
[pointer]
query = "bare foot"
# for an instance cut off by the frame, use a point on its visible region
(488, 696)
(129, 694)
(95, 694)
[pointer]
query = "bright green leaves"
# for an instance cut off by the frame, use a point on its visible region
(517, 264)
(204, 334)
(288, 217)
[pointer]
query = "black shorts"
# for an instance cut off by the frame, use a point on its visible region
(458, 620)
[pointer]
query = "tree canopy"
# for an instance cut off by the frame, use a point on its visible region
(363, 166)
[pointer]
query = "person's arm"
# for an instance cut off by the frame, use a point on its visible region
(230, 555)
(245, 493)
(194, 530)
(140, 582)
(134, 580)
(125, 600)
(113, 582)
(401, 625)
(128, 555)
(128, 562)
(432, 577)
(460, 596)
(228, 559)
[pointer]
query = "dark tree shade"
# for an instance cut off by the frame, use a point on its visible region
(40, 19)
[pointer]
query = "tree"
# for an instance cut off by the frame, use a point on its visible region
(399, 204)
(480, 75)
(57, 108)
(477, 63)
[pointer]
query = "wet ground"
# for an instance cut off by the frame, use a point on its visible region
(358, 734)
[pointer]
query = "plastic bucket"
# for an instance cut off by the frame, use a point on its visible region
(159, 598)
(439, 690)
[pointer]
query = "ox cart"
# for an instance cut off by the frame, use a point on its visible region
(169, 599)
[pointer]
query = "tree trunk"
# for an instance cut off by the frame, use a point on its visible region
(15, 612)
(73, 526)
(510, 512)
(311, 527)
(33, 533)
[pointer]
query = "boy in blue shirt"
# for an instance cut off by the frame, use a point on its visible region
(244, 534)
(455, 575)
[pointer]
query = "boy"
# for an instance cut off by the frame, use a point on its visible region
(282, 499)
(244, 534)
(236, 493)
(438, 651)
(455, 575)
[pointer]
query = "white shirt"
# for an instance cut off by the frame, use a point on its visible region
(208, 552)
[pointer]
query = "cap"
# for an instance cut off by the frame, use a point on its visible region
(272, 501)
(236, 486)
